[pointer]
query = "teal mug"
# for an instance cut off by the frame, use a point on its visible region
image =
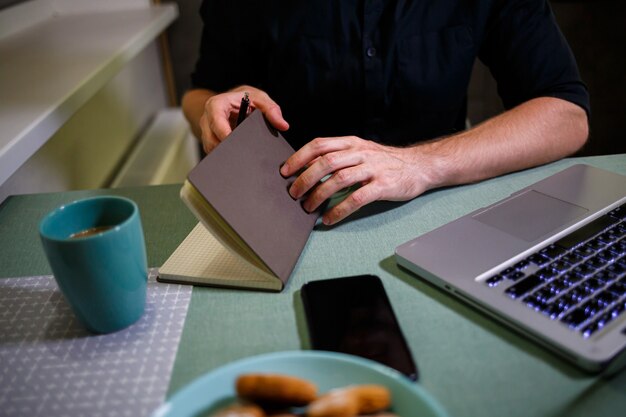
(97, 253)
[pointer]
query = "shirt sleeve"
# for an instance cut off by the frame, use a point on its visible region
(529, 56)
(231, 47)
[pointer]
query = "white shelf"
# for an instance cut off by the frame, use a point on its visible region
(55, 57)
(164, 154)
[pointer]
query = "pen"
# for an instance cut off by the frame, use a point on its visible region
(243, 109)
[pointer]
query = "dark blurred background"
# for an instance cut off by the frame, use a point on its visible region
(596, 32)
(595, 29)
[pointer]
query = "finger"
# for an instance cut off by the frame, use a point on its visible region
(352, 203)
(312, 162)
(315, 148)
(209, 140)
(209, 143)
(338, 181)
(208, 146)
(325, 164)
(220, 126)
(260, 100)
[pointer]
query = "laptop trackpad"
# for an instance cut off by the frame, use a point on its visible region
(530, 215)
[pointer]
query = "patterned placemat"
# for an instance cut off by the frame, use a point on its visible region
(51, 365)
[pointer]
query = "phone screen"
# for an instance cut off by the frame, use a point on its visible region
(353, 315)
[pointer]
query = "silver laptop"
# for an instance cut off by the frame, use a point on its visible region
(549, 260)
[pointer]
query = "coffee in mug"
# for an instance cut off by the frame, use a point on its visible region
(90, 231)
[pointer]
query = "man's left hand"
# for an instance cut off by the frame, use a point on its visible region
(384, 173)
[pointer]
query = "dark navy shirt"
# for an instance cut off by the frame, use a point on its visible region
(392, 71)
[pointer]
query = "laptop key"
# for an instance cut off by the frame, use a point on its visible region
(614, 235)
(553, 252)
(545, 294)
(605, 298)
(617, 268)
(596, 262)
(618, 309)
(618, 231)
(583, 270)
(576, 295)
(573, 259)
(538, 260)
(571, 279)
(523, 286)
(619, 213)
(596, 245)
(606, 256)
(589, 329)
(546, 274)
(554, 310)
(556, 287)
(606, 277)
(607, 238)
(514, 276)
(584, 252)
(575, 318)
(521, 265)
(591, 285)
(535, 302)
(604, 319)
(565, 302)
(619, 248)
(590, 308)
(495, 280)
(618, 288)
(560, 266)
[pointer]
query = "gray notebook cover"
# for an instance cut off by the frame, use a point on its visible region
(241, 180)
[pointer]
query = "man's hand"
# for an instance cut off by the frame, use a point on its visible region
(221, 111)
(384, 173)
(536, 132)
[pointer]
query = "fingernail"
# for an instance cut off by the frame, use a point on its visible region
(308, 206)
(284, 169)
(326, 221)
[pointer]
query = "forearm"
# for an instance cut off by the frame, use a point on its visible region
(193, 107)
(539, 131)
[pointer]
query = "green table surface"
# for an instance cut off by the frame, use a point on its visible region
(472, 364)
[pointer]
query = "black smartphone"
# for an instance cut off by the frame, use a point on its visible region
(353, 315)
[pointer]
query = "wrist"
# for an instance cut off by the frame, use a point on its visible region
(433, 164)
(193, 104)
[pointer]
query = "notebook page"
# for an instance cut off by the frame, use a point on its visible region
(202, 259)
(216, 225)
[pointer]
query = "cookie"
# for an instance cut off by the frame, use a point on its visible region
(275, 389)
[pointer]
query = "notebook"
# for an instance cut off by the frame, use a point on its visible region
(549, 261)
(251, 231)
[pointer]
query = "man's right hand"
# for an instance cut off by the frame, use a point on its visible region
(220, 111)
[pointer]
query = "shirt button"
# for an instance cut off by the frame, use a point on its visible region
(371, 52)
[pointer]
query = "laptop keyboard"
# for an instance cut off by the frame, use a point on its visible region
(579, 280)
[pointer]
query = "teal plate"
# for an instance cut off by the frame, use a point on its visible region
(326, 369)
